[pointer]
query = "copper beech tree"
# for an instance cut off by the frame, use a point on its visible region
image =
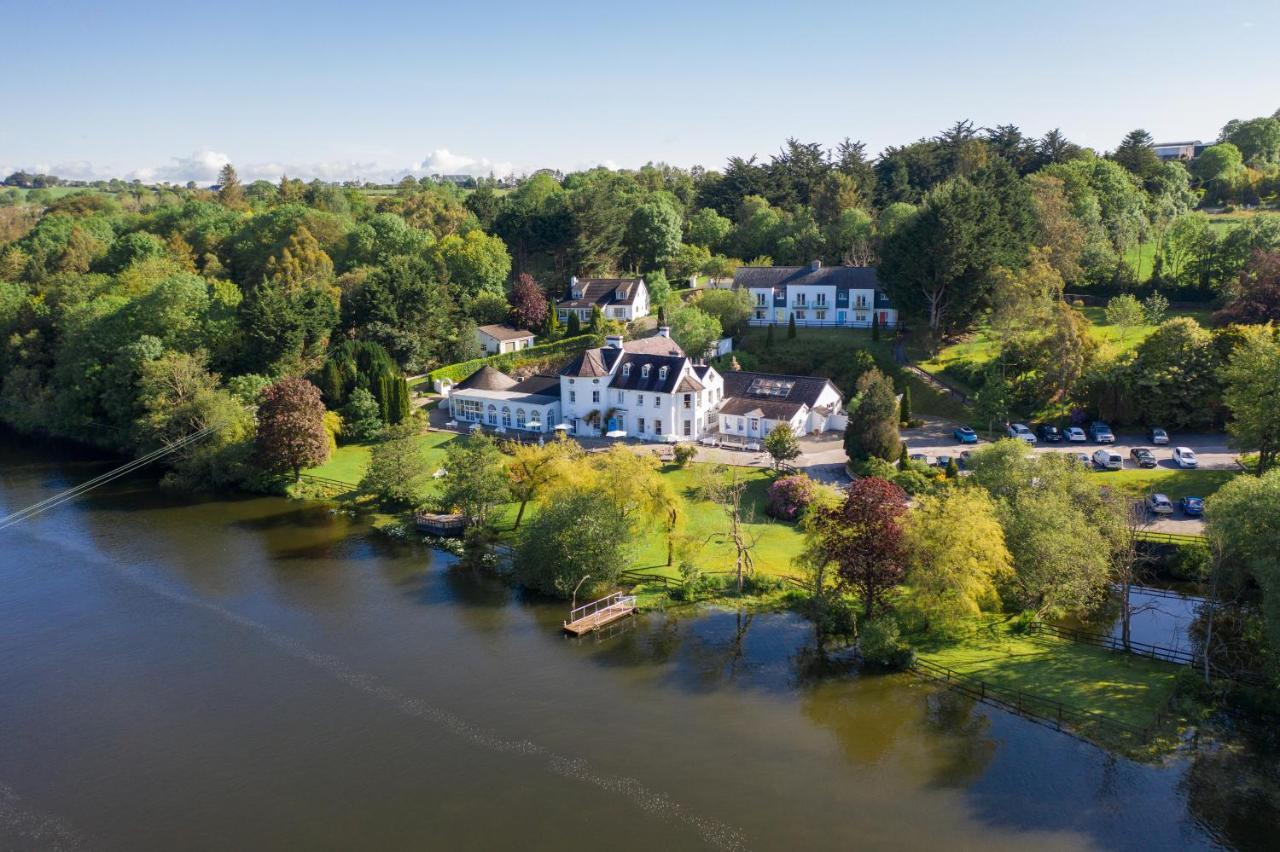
(863, 537)
(291, 433)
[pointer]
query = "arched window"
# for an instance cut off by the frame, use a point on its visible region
(644, 371)
(662, 374)
(506, 416)
(626, 370)
(493, 414)
(519, 418)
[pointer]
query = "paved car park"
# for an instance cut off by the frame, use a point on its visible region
(935, 438)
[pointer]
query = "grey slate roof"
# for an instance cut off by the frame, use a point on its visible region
(768, 409)
(603, 292)
(540, 385)
(635, 380)
(843, 278)
(656, 345)
(487, 378)
(805, 389)
(505, 332)
(592, 363)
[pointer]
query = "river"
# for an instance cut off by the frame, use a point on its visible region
(251, 673)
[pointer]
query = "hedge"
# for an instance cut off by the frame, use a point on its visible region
(511, 360)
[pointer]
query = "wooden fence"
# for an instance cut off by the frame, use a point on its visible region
(1114, 643)
(1064, 717)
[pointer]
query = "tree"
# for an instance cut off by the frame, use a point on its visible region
(291, 433)
(574, 327)
(705, 227)
(474, 262)
(1154, 307)
(1251, 393)
(872, 430)
(791, 327)
(396, 466)
(532, 469)
(230, 192)
(725, 486)
(937, 264)
(1137, 155)
(731, 307)
(1219, 168)
(361, 416)
(574, 538)
(1175, 381)
(768, 338)
(1258, 140)
(1243, 519)
(782, 444)
(904, 405)
(1058, 229)
(1125, 313)
(695, 330)
(863, 537)
(475, 480)
(653, 233)
(957, 556)
(1254, 297)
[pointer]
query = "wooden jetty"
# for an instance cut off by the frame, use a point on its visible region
(590, 617)
(441, 525)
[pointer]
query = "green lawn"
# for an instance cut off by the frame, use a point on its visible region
(1119, 686)
(775, 542)
(1172, 482)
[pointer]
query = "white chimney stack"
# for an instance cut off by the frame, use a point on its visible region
(664, 331)
(613, 341)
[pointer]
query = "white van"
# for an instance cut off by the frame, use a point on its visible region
(1108, 459)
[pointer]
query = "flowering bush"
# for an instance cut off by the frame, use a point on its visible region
(790, 496)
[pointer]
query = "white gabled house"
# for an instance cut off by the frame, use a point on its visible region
(756, 403)
(498, 338)
(648, 389)
(816, 295)
(622, 299)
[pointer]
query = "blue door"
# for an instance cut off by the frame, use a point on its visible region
(840, 317)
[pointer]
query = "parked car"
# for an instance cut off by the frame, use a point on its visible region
(1101, 433)
(1185, 457)
(943, 461)
(963, 460)
(1142, 457)
(1192, 507)
(1049, 433)
(1159, 504)
(1021, 432)
(1074, 434)
(922, 458)
(965, 435)
(1082, 458)
(1159, 436)
(1108, 459)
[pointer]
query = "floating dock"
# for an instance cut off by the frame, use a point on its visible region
(590, 617)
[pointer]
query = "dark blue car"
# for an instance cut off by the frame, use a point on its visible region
(1192, 506)
(965, 435)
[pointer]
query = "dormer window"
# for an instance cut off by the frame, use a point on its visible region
(626, 370)
(662, 374)
(577, 294)
(644, 371)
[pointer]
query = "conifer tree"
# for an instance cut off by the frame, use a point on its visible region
(230, 192)
(904, 407)
(768, 337)
(791, 327)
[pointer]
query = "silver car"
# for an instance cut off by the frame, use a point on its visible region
(1159, 504)
(1185, 457)
(1020, 431)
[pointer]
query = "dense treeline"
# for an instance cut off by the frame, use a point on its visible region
(125, 315)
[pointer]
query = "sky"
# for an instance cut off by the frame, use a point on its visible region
(382, 88)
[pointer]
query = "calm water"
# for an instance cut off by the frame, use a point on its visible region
(257, 674)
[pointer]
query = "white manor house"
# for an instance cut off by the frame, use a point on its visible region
(647, 389)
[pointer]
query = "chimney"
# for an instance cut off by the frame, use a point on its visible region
(817, 264)
(613, 341)
(664, 331)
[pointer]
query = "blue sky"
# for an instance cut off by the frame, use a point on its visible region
(375, 89)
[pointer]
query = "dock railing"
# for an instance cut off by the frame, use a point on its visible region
(617, 599)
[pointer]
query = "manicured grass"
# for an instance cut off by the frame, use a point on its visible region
(1122, 687)
(349, 461)
(775, 541)
(1115, 340)
(1172, 482)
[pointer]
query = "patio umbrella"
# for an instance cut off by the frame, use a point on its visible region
(616, 433)
(562, 427)
(452, 424)
(475, 427)
(533, 424)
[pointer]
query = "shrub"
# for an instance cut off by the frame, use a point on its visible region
(790, 496)
(512, 360)
(881, 645)
(683, 454)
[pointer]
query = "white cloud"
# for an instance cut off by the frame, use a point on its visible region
(202, 166)
(442, 161)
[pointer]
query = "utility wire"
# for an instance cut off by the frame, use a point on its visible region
(84, 487)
